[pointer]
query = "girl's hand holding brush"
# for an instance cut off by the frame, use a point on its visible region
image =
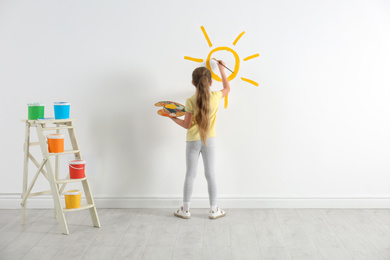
(222, 65)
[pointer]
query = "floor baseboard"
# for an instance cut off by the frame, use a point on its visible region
(12, 201)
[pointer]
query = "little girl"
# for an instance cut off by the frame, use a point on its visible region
(200, 116)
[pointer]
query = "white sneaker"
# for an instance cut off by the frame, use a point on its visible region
(182, 214)
(217, 214)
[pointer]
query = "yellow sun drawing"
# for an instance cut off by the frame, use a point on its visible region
(237, 60)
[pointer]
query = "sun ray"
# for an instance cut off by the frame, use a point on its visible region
(206, 36)
(193, 59)
(251, 57)
(238, 37)
(226, 101)
(251, 81)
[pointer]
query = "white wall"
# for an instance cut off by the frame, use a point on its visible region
(314, 133)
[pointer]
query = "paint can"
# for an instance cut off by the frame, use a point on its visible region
(72, 199)
(77, 169)
(35, 111)
(61, 110)
(56, 143)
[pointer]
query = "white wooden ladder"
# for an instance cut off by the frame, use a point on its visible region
(53, 175)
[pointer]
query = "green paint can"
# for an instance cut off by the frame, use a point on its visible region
(36, 110)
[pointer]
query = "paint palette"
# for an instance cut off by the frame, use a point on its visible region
(170, 109)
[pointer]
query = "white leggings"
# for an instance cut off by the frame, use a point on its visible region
(193, 149)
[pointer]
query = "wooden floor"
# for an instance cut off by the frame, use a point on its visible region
(157, 234)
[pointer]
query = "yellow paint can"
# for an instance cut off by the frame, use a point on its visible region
(73, 199)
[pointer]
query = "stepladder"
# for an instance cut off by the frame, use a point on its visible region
(49, 167)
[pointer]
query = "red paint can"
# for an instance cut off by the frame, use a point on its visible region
(77, 169)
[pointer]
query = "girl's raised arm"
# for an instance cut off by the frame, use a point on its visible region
(225, 82)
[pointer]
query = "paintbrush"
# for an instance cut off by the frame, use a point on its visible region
(223, 65)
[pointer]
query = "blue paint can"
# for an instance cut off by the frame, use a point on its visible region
(61, 110)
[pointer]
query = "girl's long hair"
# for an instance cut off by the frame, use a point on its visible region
(202, 78)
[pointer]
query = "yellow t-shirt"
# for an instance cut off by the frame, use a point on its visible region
(193, 133)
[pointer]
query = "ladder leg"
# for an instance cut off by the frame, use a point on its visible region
(57, 170)
(87, 189)
(92, 211)
(59, 212)
(57, 167)
(52, 181)
(24, 214)
(25, 169)
(57, 201)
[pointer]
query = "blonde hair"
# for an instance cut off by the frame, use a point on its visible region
(201, 78)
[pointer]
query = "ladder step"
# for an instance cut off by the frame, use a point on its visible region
(87, 206)
(52, 120)
(70, 180)
(66, 152)
(56, 128)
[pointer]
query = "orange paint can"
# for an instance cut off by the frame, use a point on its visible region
(56, 143)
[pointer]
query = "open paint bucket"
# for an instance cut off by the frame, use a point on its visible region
(77, 169)
(61, 110)
(72, 199)
(35, 111)
(56, 143)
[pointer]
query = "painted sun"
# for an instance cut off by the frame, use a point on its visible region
(228, 49)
